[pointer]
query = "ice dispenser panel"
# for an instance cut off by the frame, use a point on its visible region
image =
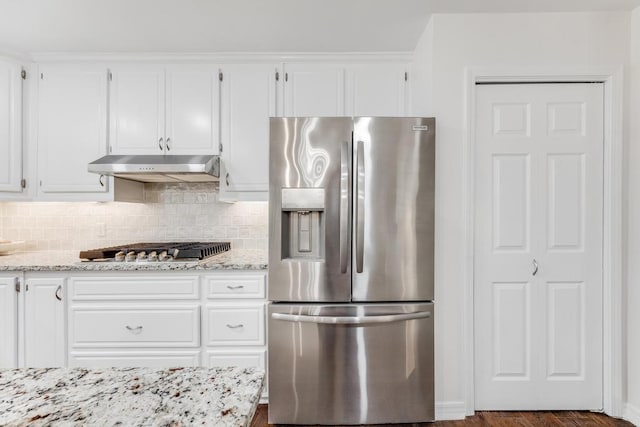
(303, 223)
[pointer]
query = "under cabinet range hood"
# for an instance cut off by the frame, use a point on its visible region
(159, 168)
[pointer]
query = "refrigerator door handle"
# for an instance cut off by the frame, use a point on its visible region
(352, 320)
(345, 201)
(360, 208)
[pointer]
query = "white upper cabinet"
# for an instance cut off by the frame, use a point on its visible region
(10, 127)
(137, 110)
(248, 100)
(376, 90)
(72, 130)
(312, 90)
(164, 110)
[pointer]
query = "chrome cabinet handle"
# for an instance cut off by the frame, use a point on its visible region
(535, 267)
(352, 320)
(237, 326)
(58, 295)
(101, 180)
(345, 201)
(136, 330)
(167, 144)
(360, 174)
(233, 288)
(160, 144)
(227, 179)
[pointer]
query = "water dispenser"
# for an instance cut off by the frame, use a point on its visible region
(303, 217)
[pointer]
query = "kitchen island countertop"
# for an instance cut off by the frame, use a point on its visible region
(129, 396)
(235, 259)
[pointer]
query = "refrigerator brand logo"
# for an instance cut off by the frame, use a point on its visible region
(420, 127)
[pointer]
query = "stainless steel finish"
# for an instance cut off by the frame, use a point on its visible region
(332, 373)
(352, 320)
(535, 267)
(305, 153)
(398, 200)
(168, 144)
(360, 183)
(159, 168)
(135, 330)
(101, 180)
(58, 294)
(308, 199)
(345, 204)
(160, 144)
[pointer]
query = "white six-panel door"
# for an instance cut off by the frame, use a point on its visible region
(538, 246)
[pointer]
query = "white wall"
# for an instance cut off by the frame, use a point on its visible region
(632, 411)
(491, 41)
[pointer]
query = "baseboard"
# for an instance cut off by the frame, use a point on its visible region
(450, 411)
(631, 413)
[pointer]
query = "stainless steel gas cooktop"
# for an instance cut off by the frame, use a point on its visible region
(156, 252)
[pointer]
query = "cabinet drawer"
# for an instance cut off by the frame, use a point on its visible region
(144, 359)
(243, 359)
(235, 286)
(134, 288)
(235, 324)
(150, 326)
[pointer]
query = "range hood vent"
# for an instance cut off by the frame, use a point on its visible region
(159, 168)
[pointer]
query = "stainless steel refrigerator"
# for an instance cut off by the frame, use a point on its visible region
(351, 227)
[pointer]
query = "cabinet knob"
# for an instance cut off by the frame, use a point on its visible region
(101, 180)
(234, 288)
(160, 143)
(227, 179)
(236, 326)
(168, 144)
(58, 293)
(135, 330)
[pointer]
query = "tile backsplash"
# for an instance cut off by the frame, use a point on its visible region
(171, 212)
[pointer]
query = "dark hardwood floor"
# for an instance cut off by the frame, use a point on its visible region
(504, 419)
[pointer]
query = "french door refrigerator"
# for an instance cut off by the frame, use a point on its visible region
(351, 227)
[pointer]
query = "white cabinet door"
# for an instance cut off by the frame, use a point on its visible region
(137, 110)
(72, 128)
(8, 322)
(248, 100)
(312, 90)
(44, 325)
(376, 90)
(192, 110)
(10, 127)
(538, 249)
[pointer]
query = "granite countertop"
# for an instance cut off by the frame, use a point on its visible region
(235, 259)
(129, 396)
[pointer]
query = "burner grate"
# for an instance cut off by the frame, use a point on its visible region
(179, 250)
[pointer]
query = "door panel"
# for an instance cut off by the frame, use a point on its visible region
(394, 209)
(314, 90)
(10, 127)
(309, 153)
(337, 373)
(8, 322)
(45, 338)
(538, 246)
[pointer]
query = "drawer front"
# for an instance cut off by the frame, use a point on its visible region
(235, 286)
(150, 359)
(151, 326)
(134, 288)
(235, 324)
(243, 359)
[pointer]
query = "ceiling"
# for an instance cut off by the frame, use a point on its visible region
(28, 26)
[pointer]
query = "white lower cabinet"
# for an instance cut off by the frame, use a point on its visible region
(9, 320)
(44, 322)
(167, 319)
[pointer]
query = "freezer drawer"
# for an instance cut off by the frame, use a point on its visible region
(351, 364)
